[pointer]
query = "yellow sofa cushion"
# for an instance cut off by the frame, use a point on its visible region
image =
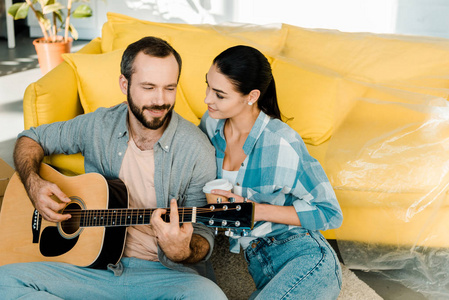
(97, 89)
(316, 98)
(410, 63)
(198, 45)
(121, 30)
(103, 90)
(269, 39)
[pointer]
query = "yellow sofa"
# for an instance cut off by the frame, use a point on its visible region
(371, 108)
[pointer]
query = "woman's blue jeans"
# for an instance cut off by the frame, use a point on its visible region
(298, 264)
(140, 280)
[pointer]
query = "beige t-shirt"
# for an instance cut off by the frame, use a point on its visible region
(137, 172)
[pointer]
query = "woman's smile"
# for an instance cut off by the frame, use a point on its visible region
(210, 109)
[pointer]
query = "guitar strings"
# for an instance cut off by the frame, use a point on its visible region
(138, 211)
(89, 215)
(203, 220)
(218, 220)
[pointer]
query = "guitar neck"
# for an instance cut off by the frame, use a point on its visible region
(127, 216)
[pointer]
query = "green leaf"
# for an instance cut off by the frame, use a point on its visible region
(23, 11)
(73, 32)
(40, 17)
(43, 3)
(59, 15)
(82, 11)
(19, 10)
(12, 11)
(53, 8)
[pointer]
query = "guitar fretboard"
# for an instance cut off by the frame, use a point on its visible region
(130, 217)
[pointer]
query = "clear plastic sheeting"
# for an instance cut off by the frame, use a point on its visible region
(421, 269)
(388, 161)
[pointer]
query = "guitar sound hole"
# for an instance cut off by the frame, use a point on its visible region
(73, 224)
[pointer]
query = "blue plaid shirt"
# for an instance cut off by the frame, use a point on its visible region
(278, 170)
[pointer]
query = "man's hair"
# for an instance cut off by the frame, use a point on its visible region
(151, 46)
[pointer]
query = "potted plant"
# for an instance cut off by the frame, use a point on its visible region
(53, 17)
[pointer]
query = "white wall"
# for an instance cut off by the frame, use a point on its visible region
(419, 17)
(345, 15)
(423, 17)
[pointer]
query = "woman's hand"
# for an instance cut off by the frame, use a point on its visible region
(258, 208)
(229, 195)
(266, 212)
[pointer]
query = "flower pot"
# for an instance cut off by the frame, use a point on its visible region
(49, 54)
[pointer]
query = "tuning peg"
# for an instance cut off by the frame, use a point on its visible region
(244, 233)
(219, 200)
(231, 199)
(229, 232)
(216, 231)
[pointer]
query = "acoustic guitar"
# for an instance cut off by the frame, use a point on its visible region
(95, 234)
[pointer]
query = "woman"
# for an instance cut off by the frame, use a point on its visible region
(269, 165)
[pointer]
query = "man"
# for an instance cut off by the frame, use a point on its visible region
(159, 156)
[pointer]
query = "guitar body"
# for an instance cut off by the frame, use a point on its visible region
(95, 234)
(26, 237)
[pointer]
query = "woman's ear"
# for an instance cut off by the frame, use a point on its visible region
(253, 96)
(123, 82)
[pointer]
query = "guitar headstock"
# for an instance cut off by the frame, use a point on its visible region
(226, 215)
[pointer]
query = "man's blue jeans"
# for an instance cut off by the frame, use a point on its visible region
(298, 264)
(140, 280)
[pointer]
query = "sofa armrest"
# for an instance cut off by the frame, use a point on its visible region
(54, 97)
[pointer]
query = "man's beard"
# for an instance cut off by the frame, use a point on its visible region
(156, 123)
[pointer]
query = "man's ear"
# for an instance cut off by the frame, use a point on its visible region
(123, 82)
(253, 96)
